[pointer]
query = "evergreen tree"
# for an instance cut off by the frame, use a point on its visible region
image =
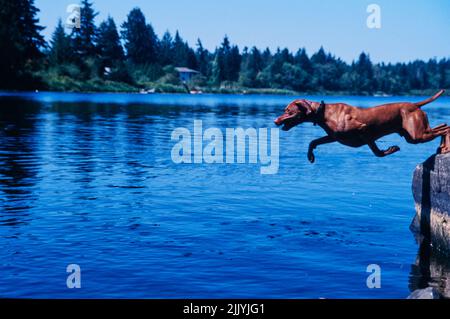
(228, 62)
(233, 64)
(444, 73)
(140, 39)
(266, 57)
(252, 65)
(181, 52)
(28, 26)
(202, 59)
(319, 57)
(255, 61)
(286, 56)
(418, 75)
(223, 53)
(275, 67)
(109, 47)
(61, 50)
(85, 54)
(302, 60)
(433, 72)
(191, 58)
(84, 37)
(21, 41)
(217, 75)
(165, 56)
(364, 70)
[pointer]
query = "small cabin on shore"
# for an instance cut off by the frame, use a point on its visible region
(186, 74)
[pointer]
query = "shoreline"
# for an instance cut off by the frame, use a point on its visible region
(258, 92)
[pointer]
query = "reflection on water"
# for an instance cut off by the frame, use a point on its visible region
(431, 269)
(88, 179)
(18, 162)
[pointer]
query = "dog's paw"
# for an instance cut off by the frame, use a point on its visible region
(394, 149)
(311, 157)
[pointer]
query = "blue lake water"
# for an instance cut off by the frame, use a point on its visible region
(88, 179)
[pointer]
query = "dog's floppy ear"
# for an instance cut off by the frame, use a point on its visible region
(305, 105)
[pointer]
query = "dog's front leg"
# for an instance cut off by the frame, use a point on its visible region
(382, 153)
(323, 140)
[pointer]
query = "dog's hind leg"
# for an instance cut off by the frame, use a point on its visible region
(381, 153)
(440, 126)
(445, 143)
(427, 135)
(418, 129)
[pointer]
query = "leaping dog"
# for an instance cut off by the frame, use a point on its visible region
(355, 126)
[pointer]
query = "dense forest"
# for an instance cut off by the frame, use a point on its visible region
(131, 57)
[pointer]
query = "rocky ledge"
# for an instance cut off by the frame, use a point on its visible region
(431, 190)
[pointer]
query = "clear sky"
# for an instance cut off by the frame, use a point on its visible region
(414, 29)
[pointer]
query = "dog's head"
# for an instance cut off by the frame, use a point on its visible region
(296, 113)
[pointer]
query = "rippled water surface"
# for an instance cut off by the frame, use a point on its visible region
(88, 179)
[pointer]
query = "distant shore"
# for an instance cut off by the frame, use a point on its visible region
(98, 86)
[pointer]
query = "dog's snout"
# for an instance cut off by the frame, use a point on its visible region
(279, 120)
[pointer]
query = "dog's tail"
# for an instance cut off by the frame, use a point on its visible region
(431, 99)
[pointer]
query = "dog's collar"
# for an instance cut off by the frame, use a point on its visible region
(319, 114)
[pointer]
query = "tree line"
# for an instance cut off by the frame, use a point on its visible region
(129, 57)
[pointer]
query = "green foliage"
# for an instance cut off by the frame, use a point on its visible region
(165, 52)
(21, 43)
(145, 73)
(65, 79)
(203, 58)
(140, 39)
(84, 38)
(199, 81)
(170, 76)
(92, 58)
(61, 48)
(227, 63)
(108, 46)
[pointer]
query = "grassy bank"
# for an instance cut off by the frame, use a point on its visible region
(68, 84)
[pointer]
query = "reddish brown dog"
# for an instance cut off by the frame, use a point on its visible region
(354, 126)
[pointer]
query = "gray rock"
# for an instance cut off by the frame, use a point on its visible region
(431, 190)
(427, 293)
(432, 269)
